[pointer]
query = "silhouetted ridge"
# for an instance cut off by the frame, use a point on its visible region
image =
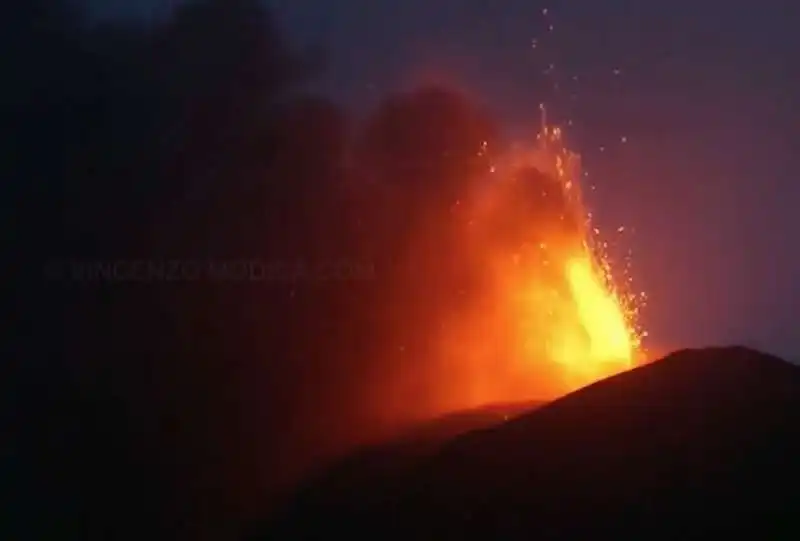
(374, 467)
(702, 441)
(730, 379)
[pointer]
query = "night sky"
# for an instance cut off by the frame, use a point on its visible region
(704, 95)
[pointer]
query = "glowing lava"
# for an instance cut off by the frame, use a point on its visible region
(598, 342)
(548, 317)
(600, 314)
(591, 329)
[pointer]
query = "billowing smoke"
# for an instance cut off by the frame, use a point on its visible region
(409, 264)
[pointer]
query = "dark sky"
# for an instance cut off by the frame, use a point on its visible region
(705, 97)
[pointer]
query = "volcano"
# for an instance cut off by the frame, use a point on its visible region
(700, 442)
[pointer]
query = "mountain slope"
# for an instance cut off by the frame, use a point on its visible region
(702, 441)
(354, 485)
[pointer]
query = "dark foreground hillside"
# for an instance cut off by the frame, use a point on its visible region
(700, 442)
(352, 481)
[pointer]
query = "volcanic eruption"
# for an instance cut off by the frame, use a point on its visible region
(549, 316)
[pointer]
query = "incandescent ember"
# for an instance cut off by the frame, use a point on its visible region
(549, 306)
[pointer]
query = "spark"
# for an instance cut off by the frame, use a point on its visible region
(592, 328)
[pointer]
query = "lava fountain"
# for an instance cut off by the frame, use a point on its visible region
(602, 337)
(550, 316)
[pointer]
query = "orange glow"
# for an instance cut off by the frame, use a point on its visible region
(609, 345)
(549, 317)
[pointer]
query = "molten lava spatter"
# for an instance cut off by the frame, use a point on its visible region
(548, 316)
(591, 330)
